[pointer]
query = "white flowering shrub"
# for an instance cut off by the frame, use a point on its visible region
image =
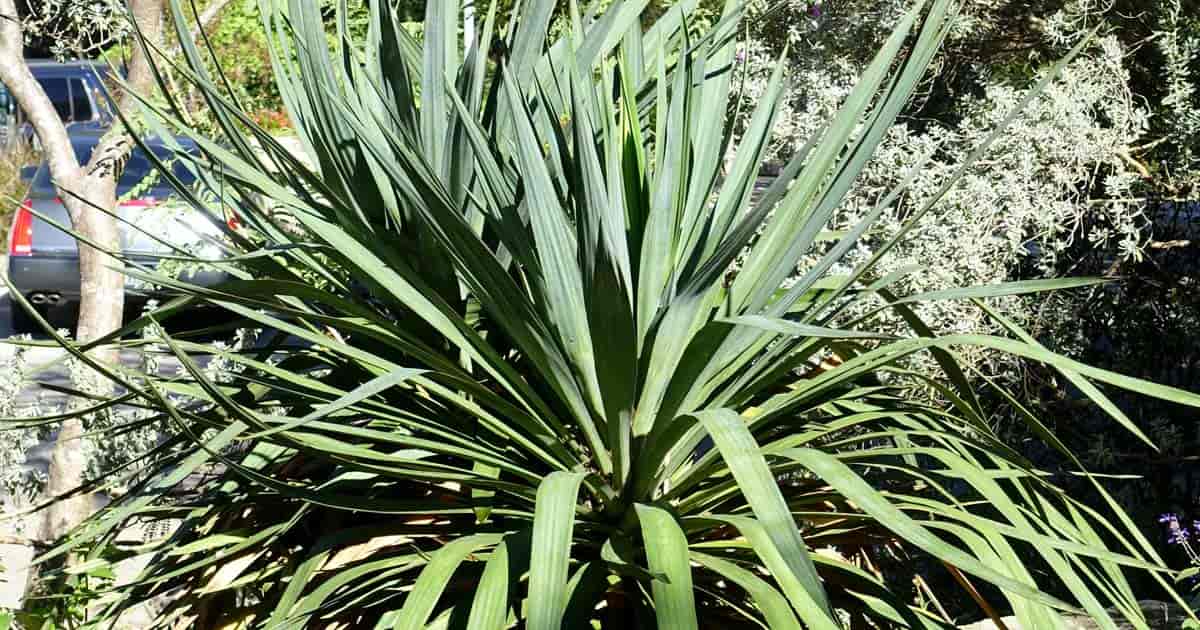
(1099, 176)
(1179, 43)
(114, 436)
(16, 482)
(1060, 175)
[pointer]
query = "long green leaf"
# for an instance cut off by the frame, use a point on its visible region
(745, 461)
(432, 582)
(553, 524)
(667, 554)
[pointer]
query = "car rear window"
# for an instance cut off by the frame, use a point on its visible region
(139, 174)
(81, 105)
(59, 94)
(42, 186)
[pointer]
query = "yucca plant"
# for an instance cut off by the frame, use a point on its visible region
(544, 357)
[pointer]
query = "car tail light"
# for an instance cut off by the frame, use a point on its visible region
(144, 202)
(20, 242)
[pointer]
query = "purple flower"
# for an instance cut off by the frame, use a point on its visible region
(815, 10)
(1176, 535)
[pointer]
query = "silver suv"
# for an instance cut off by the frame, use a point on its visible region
(43, 259)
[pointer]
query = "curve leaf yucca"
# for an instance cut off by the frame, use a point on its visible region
(535, 359)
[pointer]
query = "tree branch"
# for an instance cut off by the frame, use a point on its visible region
(1141, 169)
(101, 284)
(203, 21)
(108, 158)
(1175, 244)
(32, 99)
(24, 542)
(210, 13)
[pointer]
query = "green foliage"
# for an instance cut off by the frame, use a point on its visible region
(528, 390)
(240, 47)
(242, 53)
(1108, 189)
(63, 601)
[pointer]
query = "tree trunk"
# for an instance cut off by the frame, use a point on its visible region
(83, 190)
(101, 305)
(148, 15)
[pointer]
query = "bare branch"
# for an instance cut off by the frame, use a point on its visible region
(1175, 244)
(1141, 169)
(24, 542)
(109, 156)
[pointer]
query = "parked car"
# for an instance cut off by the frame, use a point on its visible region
(43, 260)
(74, 88)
